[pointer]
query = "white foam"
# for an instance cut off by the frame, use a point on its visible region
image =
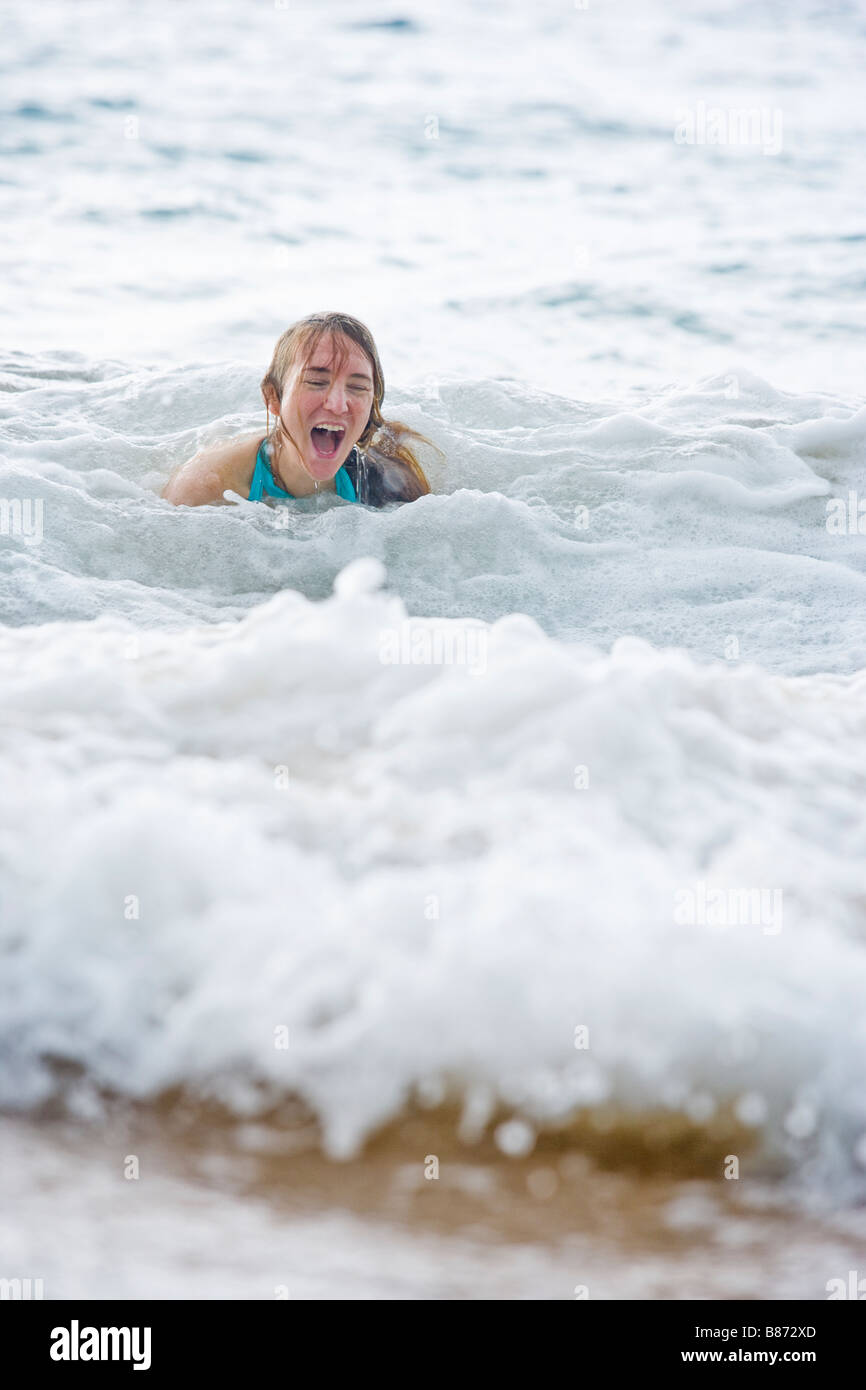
(394, 862)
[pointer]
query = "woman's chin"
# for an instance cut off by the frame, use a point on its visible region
(322, 469)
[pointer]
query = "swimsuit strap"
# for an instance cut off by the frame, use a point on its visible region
(263, 484)
(343, 480)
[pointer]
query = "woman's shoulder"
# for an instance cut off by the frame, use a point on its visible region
(225, 465)
(228, 455)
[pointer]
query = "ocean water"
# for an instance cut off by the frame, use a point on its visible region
(533, 809)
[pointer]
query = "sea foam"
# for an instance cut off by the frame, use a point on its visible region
(254, 859)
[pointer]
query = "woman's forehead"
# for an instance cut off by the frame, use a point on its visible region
(336, 353)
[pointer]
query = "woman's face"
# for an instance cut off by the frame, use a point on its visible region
(326, 405)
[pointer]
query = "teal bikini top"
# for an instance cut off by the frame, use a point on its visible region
(263, 484)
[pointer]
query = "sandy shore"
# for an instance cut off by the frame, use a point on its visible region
(255, 1212)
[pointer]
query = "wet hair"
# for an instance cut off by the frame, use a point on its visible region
(396, 474)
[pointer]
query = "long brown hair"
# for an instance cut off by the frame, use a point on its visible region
(387, 437)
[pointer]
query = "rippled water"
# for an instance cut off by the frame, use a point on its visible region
(428, 788)
(496, 188)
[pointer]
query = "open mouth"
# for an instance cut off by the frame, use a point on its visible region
(327, 439)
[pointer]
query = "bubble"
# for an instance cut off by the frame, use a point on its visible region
(515, 1138)
(751, 1109)
(430, 1091)
(801, 1121)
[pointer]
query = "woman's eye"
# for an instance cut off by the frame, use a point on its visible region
(318, 382)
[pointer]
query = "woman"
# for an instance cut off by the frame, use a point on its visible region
(325, 388)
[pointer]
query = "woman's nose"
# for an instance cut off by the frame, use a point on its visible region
(336, 398)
